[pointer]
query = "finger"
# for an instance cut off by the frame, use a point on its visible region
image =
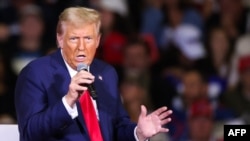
(76, 91)
(84, 81)
(76, 87)
(86, 74)
(160, 110)
(86, 78)
(165, 114)
(164, 130)
(80, 89)
(143, 111)
(80, 80)
(165, 121)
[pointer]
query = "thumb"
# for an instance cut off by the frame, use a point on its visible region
(143, 111)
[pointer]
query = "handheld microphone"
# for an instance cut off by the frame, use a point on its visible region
(91, 88)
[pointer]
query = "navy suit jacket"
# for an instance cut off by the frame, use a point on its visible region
(42, 116)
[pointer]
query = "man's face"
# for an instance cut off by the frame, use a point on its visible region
(31, 27)
(193, 86)
(136, 58)
(79, 44)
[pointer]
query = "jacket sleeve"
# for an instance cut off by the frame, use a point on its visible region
(36, 118)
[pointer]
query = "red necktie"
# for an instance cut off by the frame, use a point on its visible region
(90, 117)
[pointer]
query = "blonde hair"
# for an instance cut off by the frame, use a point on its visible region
(78, 16)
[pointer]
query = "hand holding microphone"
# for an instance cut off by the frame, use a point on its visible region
(91, 88)
(80, 82)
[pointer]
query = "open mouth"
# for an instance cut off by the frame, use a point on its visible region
(80, 58)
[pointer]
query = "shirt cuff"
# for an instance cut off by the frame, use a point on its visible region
(136, 138)
(72, 111)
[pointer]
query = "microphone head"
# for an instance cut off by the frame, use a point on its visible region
(82, 66)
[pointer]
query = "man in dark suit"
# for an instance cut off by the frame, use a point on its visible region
(48, 90)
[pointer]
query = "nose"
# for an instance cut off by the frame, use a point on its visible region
(81, 45)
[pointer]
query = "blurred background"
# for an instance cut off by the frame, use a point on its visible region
(192, 56)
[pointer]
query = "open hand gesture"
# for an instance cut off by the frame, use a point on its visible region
(149, 125)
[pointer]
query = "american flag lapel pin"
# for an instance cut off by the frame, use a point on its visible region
(100, 77)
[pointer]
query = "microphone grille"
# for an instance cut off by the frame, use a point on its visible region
(82, 66)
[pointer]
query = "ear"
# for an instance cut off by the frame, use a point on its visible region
(59, 38)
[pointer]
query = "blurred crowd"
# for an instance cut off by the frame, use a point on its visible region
(192, 56)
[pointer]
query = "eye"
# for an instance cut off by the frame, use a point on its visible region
(88, 38)
(73, 39)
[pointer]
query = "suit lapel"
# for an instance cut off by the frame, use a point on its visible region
(99, 86)
(62, 79)
(80, 118)
(60, 74)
